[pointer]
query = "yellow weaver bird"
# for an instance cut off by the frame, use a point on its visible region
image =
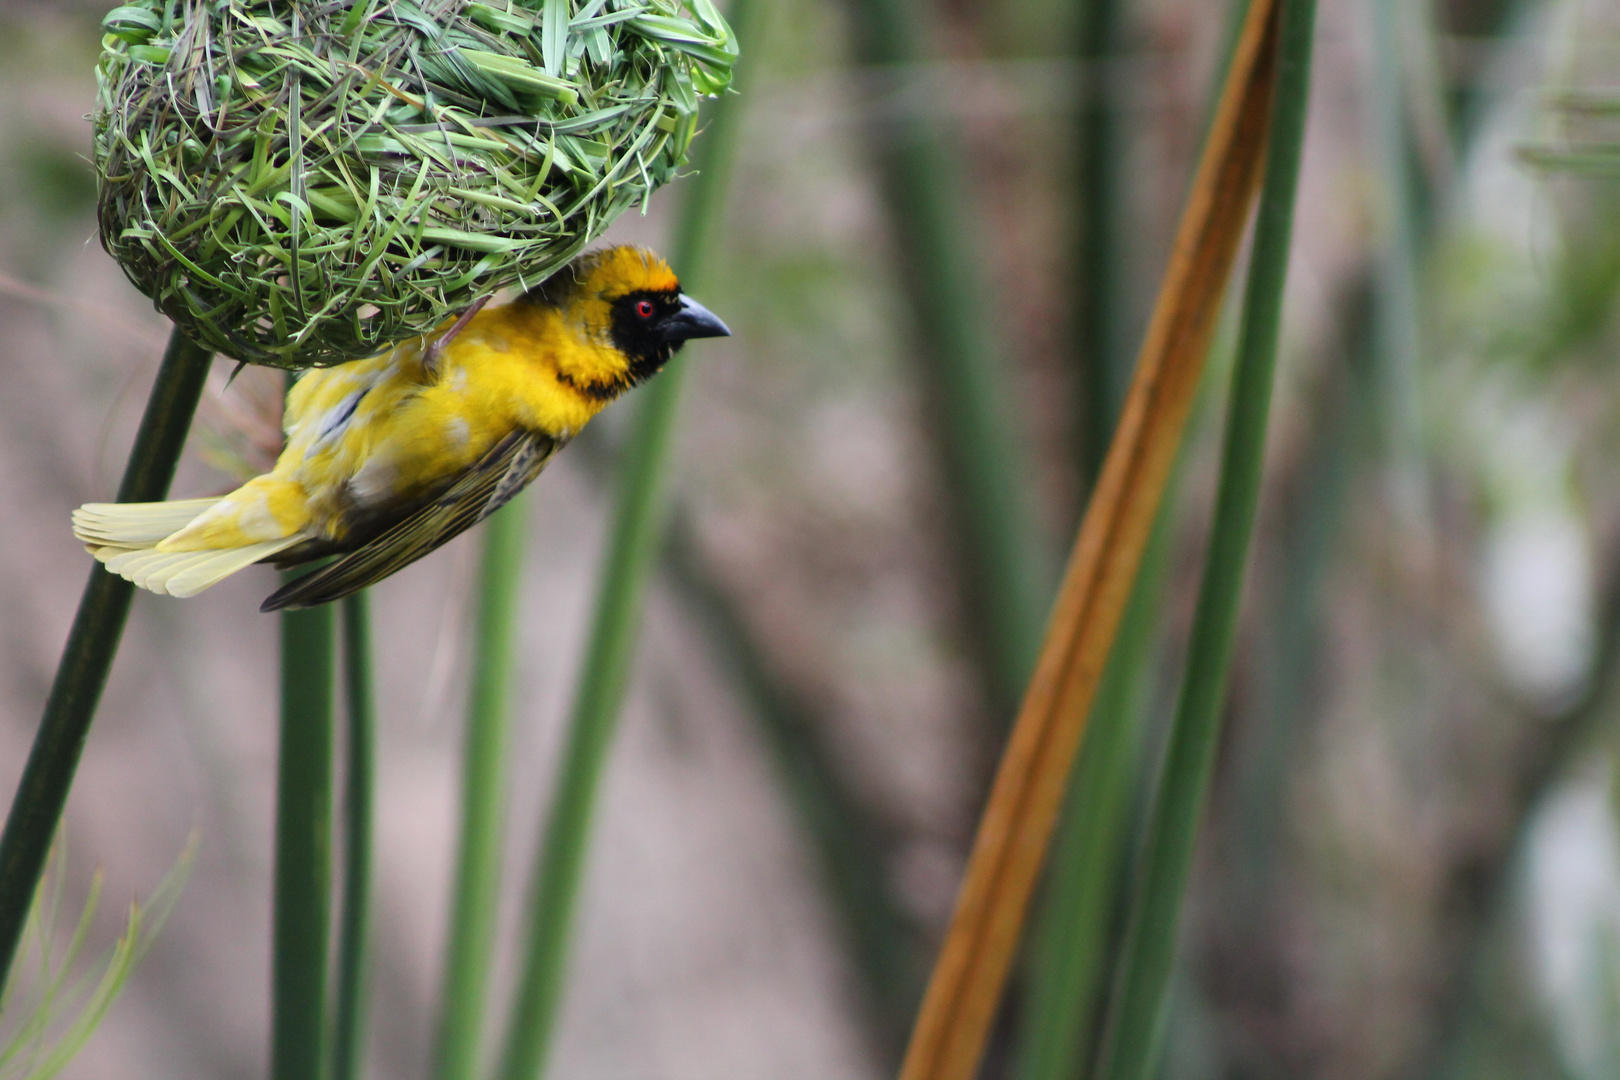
(388, 458)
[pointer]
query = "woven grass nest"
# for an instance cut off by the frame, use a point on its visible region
(304, 182)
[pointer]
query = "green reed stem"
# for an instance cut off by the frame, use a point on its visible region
(1075, 938)
(1397, 316)
(1010, 571)
(81, 676)
(1130, 1050)
(1074, 941)
(1105, 360)
(483, 801)
(561, 860)
(349, 1024)
(303, 874)
(885, 945)
(636, 538)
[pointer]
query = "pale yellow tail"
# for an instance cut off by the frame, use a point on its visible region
(123, 535)
(134, 525)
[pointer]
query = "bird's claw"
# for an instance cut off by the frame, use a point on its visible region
(430, 355)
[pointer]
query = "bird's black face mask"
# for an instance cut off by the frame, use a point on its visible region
(649, 326)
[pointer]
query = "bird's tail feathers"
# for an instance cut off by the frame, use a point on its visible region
(134, 525)
(124, 535)
(184, 573)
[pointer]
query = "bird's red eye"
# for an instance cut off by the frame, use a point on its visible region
(644, 309)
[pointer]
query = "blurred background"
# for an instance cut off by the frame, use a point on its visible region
(1411, 863)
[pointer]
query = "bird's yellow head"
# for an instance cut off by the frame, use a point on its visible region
(626, 311)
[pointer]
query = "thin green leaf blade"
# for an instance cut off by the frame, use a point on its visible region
(554, 36)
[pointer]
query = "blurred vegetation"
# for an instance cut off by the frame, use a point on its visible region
(1410, 865)
(53, 1005)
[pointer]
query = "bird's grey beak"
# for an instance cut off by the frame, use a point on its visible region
(693, 320)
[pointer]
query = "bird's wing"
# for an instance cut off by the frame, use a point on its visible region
(490, 484)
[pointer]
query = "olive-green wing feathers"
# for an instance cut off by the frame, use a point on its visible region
(490, 484)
